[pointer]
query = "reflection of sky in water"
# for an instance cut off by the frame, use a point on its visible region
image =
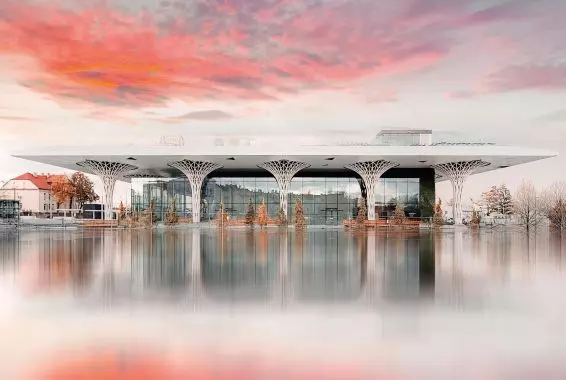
(407, 298)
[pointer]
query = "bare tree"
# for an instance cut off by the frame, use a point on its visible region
(82, 189)
(362, 213)
(300, 220)
(555, 205)
(529, 206)
(505, 203)
(490, 199)
(262, 218)
(398, 218)
(438, 218)
(498, 200)
(250, 214)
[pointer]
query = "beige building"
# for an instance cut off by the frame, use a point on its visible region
(34, 192)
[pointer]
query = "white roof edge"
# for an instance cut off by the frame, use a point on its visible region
(131, 150)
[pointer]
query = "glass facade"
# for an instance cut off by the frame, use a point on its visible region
(401, 139)
(404, 138)
(326, 199)
(9, 210)
(392, 191)
(162, 191)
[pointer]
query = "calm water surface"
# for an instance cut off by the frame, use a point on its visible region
(409, 305)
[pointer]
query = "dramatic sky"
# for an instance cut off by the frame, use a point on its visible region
(95, 71)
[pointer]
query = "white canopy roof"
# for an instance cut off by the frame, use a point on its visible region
(155, 159)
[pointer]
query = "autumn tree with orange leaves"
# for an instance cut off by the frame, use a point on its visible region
(62, 191)
(222, 216)
(262, 215)
(83, 189)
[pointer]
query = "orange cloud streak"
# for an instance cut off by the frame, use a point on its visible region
(232, 49)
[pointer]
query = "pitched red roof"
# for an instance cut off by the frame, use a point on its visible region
(52, 178)
(42, 182)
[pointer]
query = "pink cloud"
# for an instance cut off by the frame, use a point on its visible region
(461, 94)
(205, 115)
(16, 118)
(536, 77)
(380, 96)
(549, 77)
(227, 49)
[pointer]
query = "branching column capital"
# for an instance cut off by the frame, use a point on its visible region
(283, 171)
(196, 172)
(371, 172)
(108, 172)
(457, 173)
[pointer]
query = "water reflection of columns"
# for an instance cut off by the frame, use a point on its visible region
(367, 250)
(196, 267)
(284, 283)
(427, 267)
(372, 275)
(138, 258)
(457, 275)
(106, 265)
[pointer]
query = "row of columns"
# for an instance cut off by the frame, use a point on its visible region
(283, 171)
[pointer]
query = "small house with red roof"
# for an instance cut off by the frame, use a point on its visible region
(34, 191)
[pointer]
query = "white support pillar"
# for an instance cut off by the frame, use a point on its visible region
(284, 171)
(371, 171)
(457, 173)
(108, 172)
(196, 172)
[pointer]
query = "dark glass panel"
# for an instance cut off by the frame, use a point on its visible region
(413, 192)
(390, 191)
(380, 192)
(402, 191)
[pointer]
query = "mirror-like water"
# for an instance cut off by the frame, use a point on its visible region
(470, 304)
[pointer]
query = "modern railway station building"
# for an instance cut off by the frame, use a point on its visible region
(397, 167)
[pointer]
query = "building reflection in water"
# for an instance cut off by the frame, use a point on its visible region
(239, 266)
(213, 266)
(331, 267)
(9, 251)
(54, 261)
(282, 266)
(407, 262)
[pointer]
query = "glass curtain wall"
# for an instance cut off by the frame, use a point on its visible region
(326, 200)
(401, 139)
(391, 192)
(162, 191)
(236, 194)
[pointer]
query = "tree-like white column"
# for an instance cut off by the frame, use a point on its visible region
(371, 171)
(457, 173)
(284, 171)
(108, 172)
(196, 172)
